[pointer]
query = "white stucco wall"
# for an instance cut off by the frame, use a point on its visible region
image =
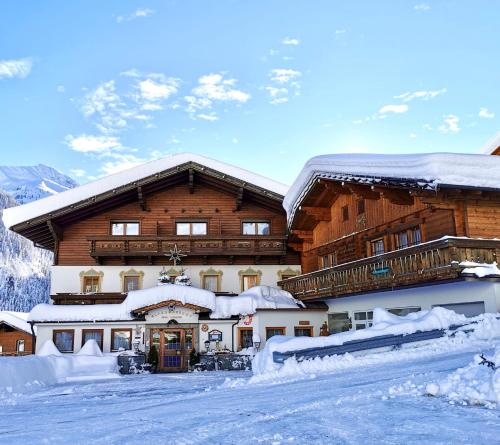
(67, 278)
(424, 297)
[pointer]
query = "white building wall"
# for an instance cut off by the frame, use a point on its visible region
(67, 278)
(424, 297)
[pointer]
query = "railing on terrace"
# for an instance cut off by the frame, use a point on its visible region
(426, 262)
(192, 245)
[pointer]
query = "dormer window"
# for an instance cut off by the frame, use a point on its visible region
(125, 228)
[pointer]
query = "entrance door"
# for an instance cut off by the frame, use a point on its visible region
(174, 346)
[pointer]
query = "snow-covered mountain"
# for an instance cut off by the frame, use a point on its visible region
(24, 269)
(28, 183)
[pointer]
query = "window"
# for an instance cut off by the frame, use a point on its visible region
(93, 334)
(377, 246)
(361, 206)
(303, 331)
(248, 281)
(339, 322)
(245, 338)
(90, 285)
(416, 236)
(125, 228)
(256, 228)
(402, 240)
(363, 320)
(271, 332)
(188, 339)
(329, 260)
(64, 339)
(345, 213)
(210, 282)
(20, 345)
(130, 282)
(191, 228)
(121, 338)
(402, 311)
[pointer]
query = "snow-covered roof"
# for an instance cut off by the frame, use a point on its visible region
(428, 171)
(19, 214)
(491, 145)
(259, 297)
(16, 320)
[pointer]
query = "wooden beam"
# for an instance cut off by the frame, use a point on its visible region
(299, 247)
(395, 196)
(305, 235)
(361, 191)
(191, 181)
(142, 198)
(239, 199)
(318, 213)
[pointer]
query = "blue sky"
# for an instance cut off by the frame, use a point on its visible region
(91, 87)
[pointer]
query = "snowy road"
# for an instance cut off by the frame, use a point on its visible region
(369, 405)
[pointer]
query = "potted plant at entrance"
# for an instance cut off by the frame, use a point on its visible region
(153, 357)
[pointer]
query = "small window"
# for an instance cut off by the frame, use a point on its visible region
(246, 338)
(377, 246)
(93, 334)
(20, 346)
(303, 331)
(125, 228)
(271, 332)
(121, 339)
(90, 285)
(345, 213)
(361, 206)
(256, 228)
(402, 240)
(339, 322)
(130, 282)
(416, 236)
(363, 320)
(64, 339)
(191, 228)
(211, 282)
(403, 310)
(248, 281)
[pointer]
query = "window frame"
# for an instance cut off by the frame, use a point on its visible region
(217, 279)
(191, 222)
(257, 280)
(20, 341)
(372, 246)
(101, 344)
(240, 337)
(91, 277)
(256, 223)
(125, 223)
(281, 328)
(307, 328)
(59, 331)
(113, 330)
(124, 281)
(346, 322)
(367, 321)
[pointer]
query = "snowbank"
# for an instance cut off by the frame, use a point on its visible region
(474, 384)
(384, 323)
(258, 297)
(480, 270)
(429, 170)
(21, 374)
(19, 214)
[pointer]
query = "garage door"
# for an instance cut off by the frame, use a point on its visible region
(468, 309)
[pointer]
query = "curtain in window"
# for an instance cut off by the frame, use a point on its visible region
(64, 341)
(121, 339)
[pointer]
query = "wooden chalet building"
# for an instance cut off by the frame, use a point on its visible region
(223, 226)
(15, 334)
(378, 230)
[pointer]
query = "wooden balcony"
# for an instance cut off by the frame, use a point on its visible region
(424, 263)
(150, 246)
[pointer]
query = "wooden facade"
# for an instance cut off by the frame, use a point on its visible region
(355, 238)
(14, 341)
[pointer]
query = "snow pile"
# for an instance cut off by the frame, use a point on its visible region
(258, 297)
(49, 366)
(476, 384)
(429, 170)
(16, 320)
(384, 323)
(16, 215)
(480, 270)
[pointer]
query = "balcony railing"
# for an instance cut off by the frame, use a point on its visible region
(265, 245)
(426, 262)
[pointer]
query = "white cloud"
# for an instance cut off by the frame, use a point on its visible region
(60, 89)
(290, 41)
(450, 124)
(485, 113)
(403, 108)
(284, 75)
(78, 172)
(138, 13)
(412, 135)
(152, 90)
(425, 95)
(340, 31)
(19, 68)
(93, 144)
(208, 117)
(422, 7)
(284, 81)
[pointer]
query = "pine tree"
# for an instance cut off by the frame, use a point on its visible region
(153, 357)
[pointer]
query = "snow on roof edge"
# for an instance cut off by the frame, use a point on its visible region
(16, 320)
(19, 214)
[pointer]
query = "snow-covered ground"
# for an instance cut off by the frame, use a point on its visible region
(380, 398)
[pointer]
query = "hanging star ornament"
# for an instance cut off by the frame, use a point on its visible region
(176, 255)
